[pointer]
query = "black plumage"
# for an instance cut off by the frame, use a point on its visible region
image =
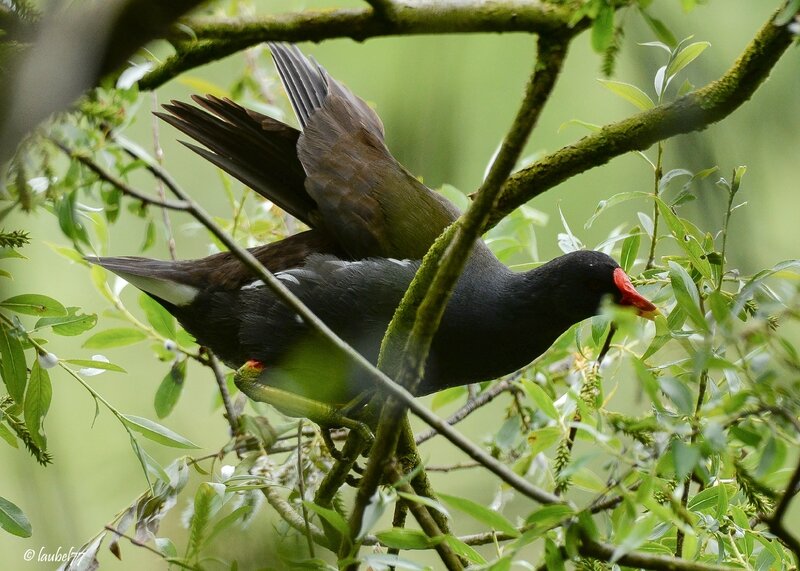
(371, 222)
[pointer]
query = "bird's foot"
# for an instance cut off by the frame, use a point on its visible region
(291, 404)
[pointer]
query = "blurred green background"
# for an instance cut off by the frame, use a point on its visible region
(446, 103)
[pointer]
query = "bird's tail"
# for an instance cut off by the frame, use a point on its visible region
(165, 280)
(256, 149)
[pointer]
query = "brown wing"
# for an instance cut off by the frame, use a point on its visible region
(366, 199)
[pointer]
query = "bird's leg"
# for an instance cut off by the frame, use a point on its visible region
(291, 404)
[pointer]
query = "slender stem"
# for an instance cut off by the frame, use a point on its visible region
(657, 175)
(212, 362)
(472, 405)
(731, 194)
(119, 183)
(158, 152)
(301, 488)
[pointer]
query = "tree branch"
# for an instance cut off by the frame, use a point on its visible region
(426, 298)
(693, 112)
(217, 39)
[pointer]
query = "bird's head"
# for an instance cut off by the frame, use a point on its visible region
(586, 277)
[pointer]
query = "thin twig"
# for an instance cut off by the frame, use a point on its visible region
(158, 153)
(119, 183)
(134, 541)
(290, 516)
(472, 405)
(301, 488)
(213, 364)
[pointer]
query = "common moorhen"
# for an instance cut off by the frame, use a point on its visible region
(371, 222)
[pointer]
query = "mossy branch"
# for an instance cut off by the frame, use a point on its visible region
(693, 112)
(216, 39)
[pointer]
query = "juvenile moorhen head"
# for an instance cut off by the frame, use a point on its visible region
(371, 222)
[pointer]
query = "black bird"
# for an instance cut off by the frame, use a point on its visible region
(371, 222)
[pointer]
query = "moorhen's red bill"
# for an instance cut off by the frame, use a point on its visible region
(371, 222)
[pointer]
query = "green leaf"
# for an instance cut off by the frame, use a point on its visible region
(543, 401)
(447, 396)
(615, 199)
(8, 436)
(157, 316)
(787, 14)
(333, 517)
(547, 516)
(69, 253)
(630, 93)
(686, 56)
(149, 236)
(481, 513)
(686, 294)
(400, 538)
(660, 29)
(68, 325)
(678, 393)
(543, 438)
(37, 402)
(239, 513)
(553, 558)
(156, 432)
(685, 239)
(425, 501)
(630, 249)
(170, 389)
(34, 304)
(13, 520)
(116, 337)
(603, 28)
(637, 535)
(13, 367)
(463, 550)
(92, 364)
(376, 507)
(707, 499)
(684, 458)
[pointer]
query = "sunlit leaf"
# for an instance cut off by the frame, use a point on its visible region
(686, 56)
(38, 395)
(630, 93)
(686, 294)
(334, 518)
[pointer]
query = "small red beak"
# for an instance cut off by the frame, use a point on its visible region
(644, 307)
